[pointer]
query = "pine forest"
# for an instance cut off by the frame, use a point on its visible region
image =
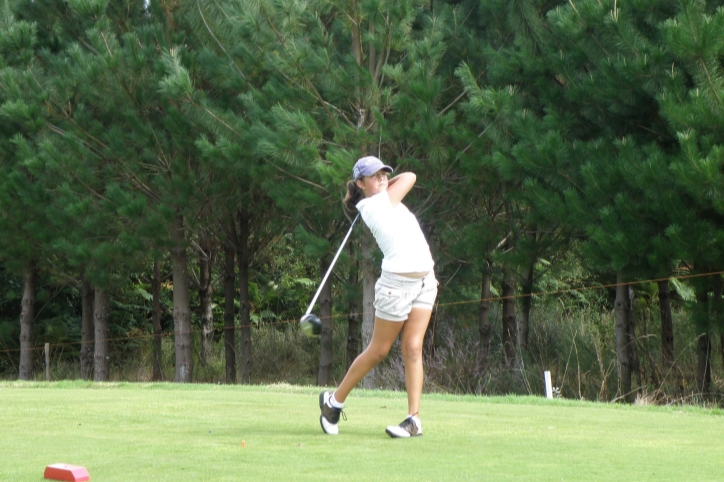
(172, 175)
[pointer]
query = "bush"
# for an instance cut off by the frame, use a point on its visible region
(577, 347)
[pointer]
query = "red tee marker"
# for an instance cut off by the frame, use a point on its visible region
(71, 473)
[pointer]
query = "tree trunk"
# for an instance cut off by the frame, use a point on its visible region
(667, 323)
(703, 377)
(526, 302)
(632, 344)
(623, 352)
(101, 319)
(86, 330)
(484, 327)
(718, 308)
(229, 315)
(27, 317)
(206, 292)
(703, 341)
(325, 339)
(244, 260)
(721, 346)
(353, 318)
(509, 329)
(183, 339)
(367, 270)
(156, 321)
(429, 342)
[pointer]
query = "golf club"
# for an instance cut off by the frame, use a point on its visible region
(310, 323)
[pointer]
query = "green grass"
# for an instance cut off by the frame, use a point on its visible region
(153, 432)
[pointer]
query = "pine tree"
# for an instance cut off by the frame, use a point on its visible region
(585, 136)
(508, 99)
(121, 151)
(692, 104)
(241, 188)
(24, 203)
(613, 67)
(320, 100)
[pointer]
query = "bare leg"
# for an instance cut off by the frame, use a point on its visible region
(413, 334)
(383, 336)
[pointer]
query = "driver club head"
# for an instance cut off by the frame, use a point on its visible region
(311, 325)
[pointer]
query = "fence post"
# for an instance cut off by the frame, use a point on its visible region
(549, 385)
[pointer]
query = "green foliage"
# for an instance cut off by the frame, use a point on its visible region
(570, 140)
(177, 84)
(92, 9)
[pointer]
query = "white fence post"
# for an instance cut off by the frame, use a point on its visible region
(549, 386)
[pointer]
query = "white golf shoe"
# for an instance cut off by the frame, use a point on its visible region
(410, 427)
(330, 415)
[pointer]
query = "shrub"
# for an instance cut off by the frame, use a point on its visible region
(577, 347)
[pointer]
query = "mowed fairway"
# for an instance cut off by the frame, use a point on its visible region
(140, 432)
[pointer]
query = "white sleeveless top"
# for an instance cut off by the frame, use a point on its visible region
(398, 235)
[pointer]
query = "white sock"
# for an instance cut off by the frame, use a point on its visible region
(415, 419)
(334, 403)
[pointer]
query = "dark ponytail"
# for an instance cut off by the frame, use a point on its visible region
(354, 195)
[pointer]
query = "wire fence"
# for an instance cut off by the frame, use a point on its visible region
(145, 336)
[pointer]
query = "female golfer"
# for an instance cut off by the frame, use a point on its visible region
(404, 293)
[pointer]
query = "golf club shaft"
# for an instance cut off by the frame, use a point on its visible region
(329, 270)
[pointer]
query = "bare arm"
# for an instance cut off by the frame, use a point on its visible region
(399, 186)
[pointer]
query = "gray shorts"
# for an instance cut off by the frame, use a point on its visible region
(396, 295)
